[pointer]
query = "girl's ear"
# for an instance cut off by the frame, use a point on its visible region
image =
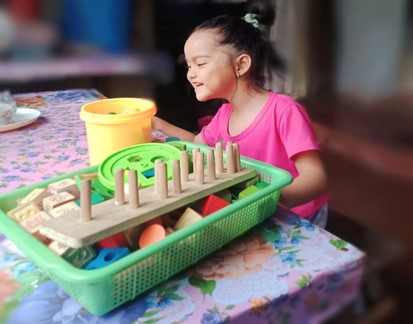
(242, 64)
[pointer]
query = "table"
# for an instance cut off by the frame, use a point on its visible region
(152, 64)
(284, 270)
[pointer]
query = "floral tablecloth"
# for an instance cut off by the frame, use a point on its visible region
(283, 271)
(54, 144)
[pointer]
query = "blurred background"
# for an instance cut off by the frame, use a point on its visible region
(350, 62)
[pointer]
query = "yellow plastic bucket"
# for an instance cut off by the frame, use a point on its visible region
(113, 124)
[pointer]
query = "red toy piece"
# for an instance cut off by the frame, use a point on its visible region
(211, 204)
(115, 241)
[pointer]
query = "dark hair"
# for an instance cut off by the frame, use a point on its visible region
(245, 38)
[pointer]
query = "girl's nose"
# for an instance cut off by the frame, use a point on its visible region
(190, 74)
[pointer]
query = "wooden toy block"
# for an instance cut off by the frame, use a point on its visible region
(65, 185)
(247, 192)
(114, 241)
(36, 197)
(57, 200)
(32, 225)
(59, 248)
(106, 257)
(80, 257)
(63, 209)
(23, 212)
(211, 204)
(189, 217)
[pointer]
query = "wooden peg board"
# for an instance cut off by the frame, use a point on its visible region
(109, 218)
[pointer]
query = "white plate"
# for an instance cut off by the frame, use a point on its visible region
(23, 117)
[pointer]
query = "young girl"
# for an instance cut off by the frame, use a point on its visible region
(229, 58)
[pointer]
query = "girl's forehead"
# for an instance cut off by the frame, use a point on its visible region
(203, 41)
(202, 37)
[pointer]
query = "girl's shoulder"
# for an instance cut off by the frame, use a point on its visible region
(284, 99)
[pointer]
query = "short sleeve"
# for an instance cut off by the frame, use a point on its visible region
(296, 131)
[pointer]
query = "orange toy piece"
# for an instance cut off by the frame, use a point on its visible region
(151, 234)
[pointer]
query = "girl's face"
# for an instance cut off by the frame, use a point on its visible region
(210, 69)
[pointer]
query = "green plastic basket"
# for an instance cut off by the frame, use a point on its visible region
(102, 290)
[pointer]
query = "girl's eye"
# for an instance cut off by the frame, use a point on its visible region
(201, 64)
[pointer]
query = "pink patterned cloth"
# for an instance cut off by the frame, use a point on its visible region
(54, 144)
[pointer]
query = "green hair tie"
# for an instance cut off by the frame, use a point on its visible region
(251, 18)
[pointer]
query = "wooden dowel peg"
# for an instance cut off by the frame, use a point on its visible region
(199, 175)
(237, 157)
(211, 165)
(162, 181)
(230, 158)
(85, 200)
(176, 176)
(156, 176)
(195, 152)
(119, 187)
(133, 189)
(184, 166)
(220, 162)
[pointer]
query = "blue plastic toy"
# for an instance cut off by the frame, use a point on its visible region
(106, 257)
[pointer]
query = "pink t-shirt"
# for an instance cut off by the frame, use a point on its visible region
(281, 130)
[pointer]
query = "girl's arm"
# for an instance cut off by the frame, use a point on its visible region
(309, 184)
(175, 131)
